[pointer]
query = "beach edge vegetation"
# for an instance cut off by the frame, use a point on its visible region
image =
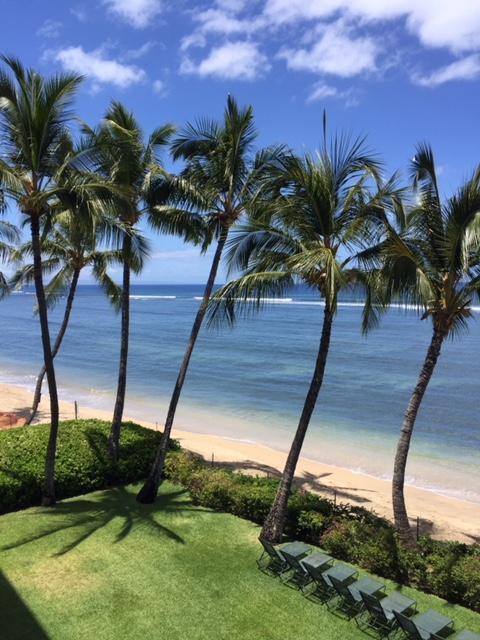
(450, 570)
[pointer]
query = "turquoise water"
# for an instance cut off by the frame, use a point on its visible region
(249, 383)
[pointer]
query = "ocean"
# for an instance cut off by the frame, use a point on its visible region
(249, 382)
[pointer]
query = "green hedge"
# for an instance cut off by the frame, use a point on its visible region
(450, 570)
(83, 463)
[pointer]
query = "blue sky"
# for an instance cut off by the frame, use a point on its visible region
(399, 71)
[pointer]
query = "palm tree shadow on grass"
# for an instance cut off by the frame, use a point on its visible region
(90, 515)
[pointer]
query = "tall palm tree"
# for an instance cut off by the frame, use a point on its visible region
(74, 243)
(222, 178)
(34, 115)
(320, 218)
(119, 153)
(433, 264)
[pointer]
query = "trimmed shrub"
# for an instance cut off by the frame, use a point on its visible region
(83, 463)
(448, 569)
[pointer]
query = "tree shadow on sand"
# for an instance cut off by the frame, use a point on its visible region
(85, 516)
(306, 480)
(25, 412)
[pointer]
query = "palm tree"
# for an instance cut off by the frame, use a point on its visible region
(34, 113)
(321, 215)
(433, 264)
(222, 178)
(119, 153)
(73, 244)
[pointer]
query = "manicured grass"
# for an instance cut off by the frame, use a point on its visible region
(103, 567)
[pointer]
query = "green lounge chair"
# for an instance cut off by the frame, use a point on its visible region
(461, 635)
(296, 574)
(324, 586)
(424, 625)
(271, 561)
(349, 599)
(381, 618)
(318, 586)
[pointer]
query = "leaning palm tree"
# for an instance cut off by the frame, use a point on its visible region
(117, 152)
(34, 114)
(74, 243)
(434, 264)
(221, 179)
(321, 217)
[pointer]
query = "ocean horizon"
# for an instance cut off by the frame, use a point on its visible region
(248, 383)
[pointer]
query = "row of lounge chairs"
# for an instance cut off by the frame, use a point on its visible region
(337, 585)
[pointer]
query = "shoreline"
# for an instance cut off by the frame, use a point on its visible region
(442, 516)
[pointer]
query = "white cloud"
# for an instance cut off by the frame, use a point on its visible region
(195, 39)
(337, 52)
(321, 91)
(50, 29)
(137, 13)
(465, 69)
(180, 254)
(159, 87)
(437, 23)
(98, 68)
(233, 60)
(232, 5)
(223, 22)
(446, 23)
(348, 37)
(79, 13)
(139, 52)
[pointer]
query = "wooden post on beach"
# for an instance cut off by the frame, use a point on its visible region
(76, 410)
(213, 459)
(334, 497)
(418, 528)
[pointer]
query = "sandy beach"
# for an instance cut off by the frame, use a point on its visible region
(441, 516)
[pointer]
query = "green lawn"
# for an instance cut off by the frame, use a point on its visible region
(102, 567)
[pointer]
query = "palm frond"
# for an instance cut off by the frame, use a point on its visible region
(247, 295)
(112, 290)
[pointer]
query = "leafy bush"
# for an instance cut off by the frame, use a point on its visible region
(311, 524)
(245, 496)
(377, 551)
(83, 463)
(339, 539)
(448, 569)
(466, 580)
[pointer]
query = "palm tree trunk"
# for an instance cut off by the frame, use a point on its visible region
(273, 526)
(56, 347)
(114, 440)
(149, 491)
(48, 497)
(400, 515)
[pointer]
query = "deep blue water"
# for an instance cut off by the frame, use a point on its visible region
(250, 382)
